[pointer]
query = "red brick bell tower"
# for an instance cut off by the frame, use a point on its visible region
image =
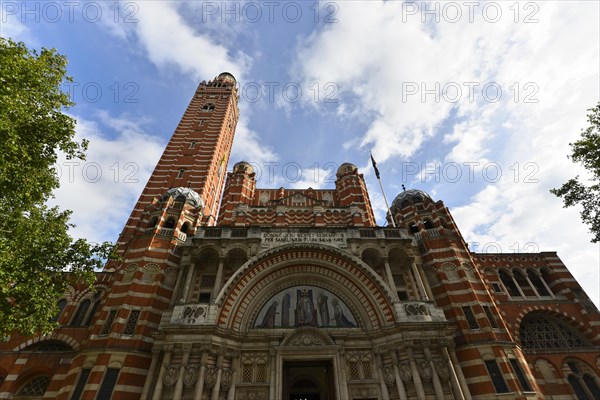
(182, 193)
(196, 156)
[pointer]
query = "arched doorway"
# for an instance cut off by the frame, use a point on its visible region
(306, 380)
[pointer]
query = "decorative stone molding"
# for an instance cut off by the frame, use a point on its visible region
(252, 394)
(416, 309)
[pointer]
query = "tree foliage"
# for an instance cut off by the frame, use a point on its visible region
(586, 151)
(36, 251)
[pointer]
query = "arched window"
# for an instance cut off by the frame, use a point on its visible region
(577, 388)
(509, 284)
(582, 379)
(90, 315)
(185, 228)
(61, 307)
(428, 224)
(49, 346)
(81, 313)
(170, 224)
(208, 107)
(545, 332)
(35, 387)
(547, 278)
(537, 282)
(414, 228)
(153, 222)
(522, 282)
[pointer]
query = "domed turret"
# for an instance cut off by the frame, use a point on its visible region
(191, 196)
(346, 168)
(410, 196)
(227, 78)
(243, 166)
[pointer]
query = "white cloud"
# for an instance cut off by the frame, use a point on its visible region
(102, 190)
(376, 56)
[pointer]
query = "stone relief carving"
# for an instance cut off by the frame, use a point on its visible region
(226, 377)
(210, 378)
(405, 371)
(424, 370)
(171, 375)
(416, 309)
(364, 392)
(388, 376)
(190, 375)
(252, 395)
(306, 339)
(442, 369)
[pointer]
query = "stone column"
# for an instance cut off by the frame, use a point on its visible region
(530, 284)
(178, 284)
(437, 386)
(420, 284)
(151, 372)
(399, 382)
(218, 278)
(273, 379)
(200, 381)
(185, 295)
(216, 389)
(512, 276)
(187, 348)
(382, 385)
(415, 374)
(234, 363)
(390, 278)
(461, 378)
(541, 278)
(159, 381)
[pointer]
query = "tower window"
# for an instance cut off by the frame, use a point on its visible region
(490, 317)
(496, 376)
(208, 108)
(414, 228)
(170, 224)
(428, 224)
(180, 173)
(520, 375)
(108, 383)
(193, 144)
(471, 320)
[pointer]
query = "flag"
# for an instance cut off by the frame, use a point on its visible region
(374, 166)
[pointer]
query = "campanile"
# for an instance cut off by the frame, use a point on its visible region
(197, 154)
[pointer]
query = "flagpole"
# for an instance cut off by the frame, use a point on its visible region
(382, 191)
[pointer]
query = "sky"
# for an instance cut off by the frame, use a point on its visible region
(473, 102)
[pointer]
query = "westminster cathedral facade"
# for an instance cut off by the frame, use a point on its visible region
(228, 291)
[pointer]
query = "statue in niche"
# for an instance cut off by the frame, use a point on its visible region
(339, 317)
(305, 308)
(269, 318)
(285, 310)
(322, 302)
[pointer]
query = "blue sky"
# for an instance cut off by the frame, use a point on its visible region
(474, 103)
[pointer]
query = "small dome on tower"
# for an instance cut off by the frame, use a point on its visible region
(410, 196)
(191, 196)
(243, 166)
(227, 77)
(346, 168)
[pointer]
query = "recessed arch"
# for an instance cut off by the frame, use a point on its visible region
(245, 292)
